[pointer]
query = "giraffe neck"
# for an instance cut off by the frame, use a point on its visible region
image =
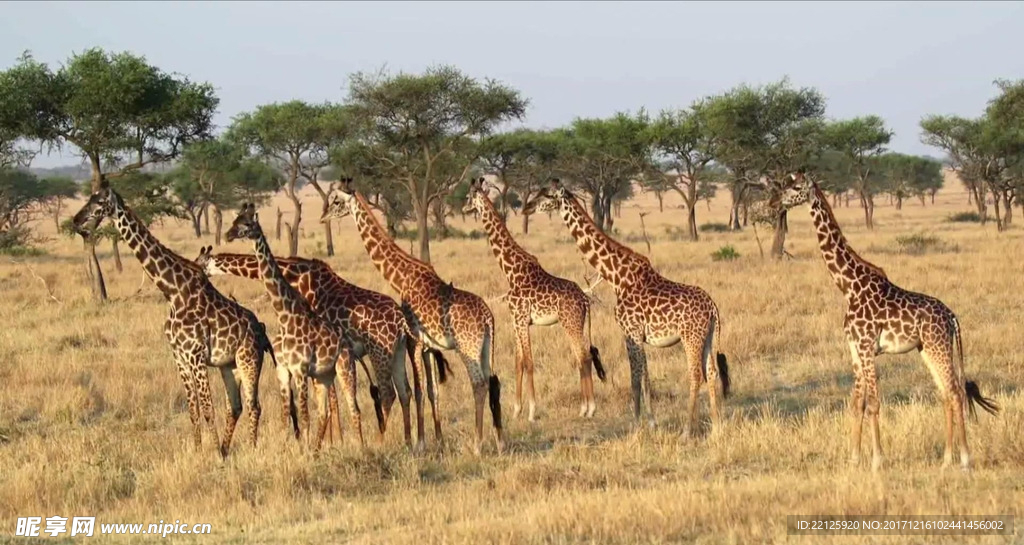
(240, 265)
(510, 255)
(168, 270)
(400, 269)
(618, 265)
(843, 263)
(285, 298)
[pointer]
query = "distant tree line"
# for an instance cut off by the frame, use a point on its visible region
(412, 142)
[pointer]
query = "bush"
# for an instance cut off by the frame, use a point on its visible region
(919, 244)
(713, 228)
(17, 241)
(412, 234)
(964, 217)
(725, 253)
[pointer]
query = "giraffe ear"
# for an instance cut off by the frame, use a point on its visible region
(555, 183)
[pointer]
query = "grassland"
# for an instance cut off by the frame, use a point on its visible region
(93, 419)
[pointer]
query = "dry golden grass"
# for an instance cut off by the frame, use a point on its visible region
(93, 419)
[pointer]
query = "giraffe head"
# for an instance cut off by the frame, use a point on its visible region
(343, 198)
(550, 198)
(797, 191)
(475, 198)
(99, 206)
(208, 262)
(246, 224)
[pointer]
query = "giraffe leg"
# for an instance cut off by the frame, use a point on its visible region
(947, 405)
(401, 383)
(430, 369)
(958, 414)
(381, 361)
(938, 358)
(248, 365)
(711, 375)
(524, 365)
(197, 360)
(234, 406)
(321, 388)
(581, 354)
(694, 357)
(637, 375)
(857, 406)
(347, 376)
(288, 411)
(872, 409)
(417, 379)
(302, 392)
(335, 424)
(188, 381)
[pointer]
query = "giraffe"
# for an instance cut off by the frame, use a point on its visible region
(203, 328)
(882, 318)
(308, 344)
(372, 321)
(649, 308)
(536, 297)
(440, 316)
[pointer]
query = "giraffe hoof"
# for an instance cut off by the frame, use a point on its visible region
(591, 409)
(516, 410)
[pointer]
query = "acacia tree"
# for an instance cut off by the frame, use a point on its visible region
(217, 175)
(764, 134)
(603, 157)
(296, 137)
(908, 176)
(384, 193)
(962, 140)
(120, 112)
(1003, 140)
(861, 139)
(414, 124)
(684, 143)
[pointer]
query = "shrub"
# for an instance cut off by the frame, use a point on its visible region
(919, 244)
(713, 228)
(964, 217)
(725, 253)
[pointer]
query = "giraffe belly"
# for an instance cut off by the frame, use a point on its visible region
(890, 343)
(663, 342)
(544, 319)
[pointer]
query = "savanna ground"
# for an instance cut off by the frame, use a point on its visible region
(93, 418)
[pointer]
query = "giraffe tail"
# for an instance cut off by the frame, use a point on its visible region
(263, 341)
(494, 384)
(443, 367)
(720, 359)
(378, 409)
(595, 356)
(973, 392)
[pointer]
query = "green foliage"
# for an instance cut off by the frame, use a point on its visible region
(119, 110)
(909, 175)
(421, 130)
(964, 217)
(602, 157)
(22, 195)
(725, 253)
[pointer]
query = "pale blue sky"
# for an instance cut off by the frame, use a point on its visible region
(898, 60)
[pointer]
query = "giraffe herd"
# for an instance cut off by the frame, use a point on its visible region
(326, 323)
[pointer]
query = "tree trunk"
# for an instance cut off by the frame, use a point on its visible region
(99, 287)
(92, 267)
(867, 205)
(999, 217)
(933, 196)
(422, 233)
(293, 228)
(206, 219)
(526, 224)
(1007, 205)
(56, 215)
(921, 196)
(899, 202)
(846, 196)
(734, 216)
(218, 223)
(692, 221)
(746, 212)
(117, 254)
(277, 231)
(597, 209)
(661, 201)
(979, 201)
(195, 222)
(779, 242)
